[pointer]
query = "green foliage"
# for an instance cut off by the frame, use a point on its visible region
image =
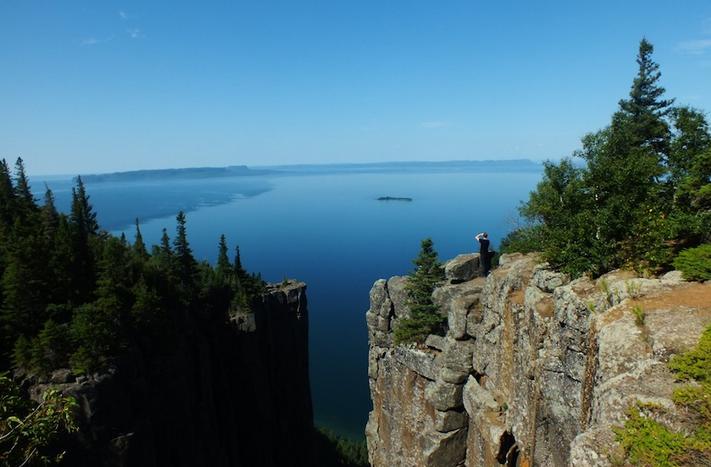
(639, 315)
(646, 441)
(72, 295)
(696, 363)
(332, 450)
(695, 263)
(522, 240)
(424, 318)
(642, 195)
(29, 431)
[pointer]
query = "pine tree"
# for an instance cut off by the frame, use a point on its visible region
(83, 229)
(224, 267)
(424, 316)
(186, 266)
(139, 248)
(50, 216)
(7, 196)
(82, 213)
(23, 193)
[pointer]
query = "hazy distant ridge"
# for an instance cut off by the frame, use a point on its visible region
(512, 165)
(183, 173)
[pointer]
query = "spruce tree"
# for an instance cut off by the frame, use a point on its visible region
(23, 193)
(186, 266)
(139, 248)
(224, 267)
(82, 213)
(7, 196)
(83, 229)
(50, 216)
(424, 316)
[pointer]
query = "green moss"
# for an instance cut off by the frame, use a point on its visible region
(695, 263)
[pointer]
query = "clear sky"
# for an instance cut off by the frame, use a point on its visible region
(93, 86)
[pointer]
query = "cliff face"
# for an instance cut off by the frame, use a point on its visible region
(232, 394)
(533, 370)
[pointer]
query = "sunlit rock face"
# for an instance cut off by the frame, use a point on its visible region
(534, 369)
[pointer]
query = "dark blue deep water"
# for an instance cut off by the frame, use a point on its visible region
(330, 232)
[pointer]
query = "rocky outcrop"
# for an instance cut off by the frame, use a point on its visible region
(229, 394)
(534, 369)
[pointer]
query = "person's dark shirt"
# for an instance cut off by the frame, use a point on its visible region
(483, 246)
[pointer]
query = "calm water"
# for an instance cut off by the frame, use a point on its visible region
(330, 232)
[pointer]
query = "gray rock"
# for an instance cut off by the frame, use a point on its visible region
(444, 396)
(462, 268)
(434, 341)
(453, 376)
(61, 376)
(548, 280)
(477, 398)
(447, 449)
(450, 420)
(397, 293)
(422, 363)
(457, 355)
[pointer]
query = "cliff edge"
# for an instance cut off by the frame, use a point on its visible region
(231, 393)
(534, 369)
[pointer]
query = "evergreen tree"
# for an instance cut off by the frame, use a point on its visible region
(83, 229)
(186, 266)
(139, 248)
(7, 196)
(82, 213)
(50, 216)
(23, 193)
(424, 316)
(224, 267)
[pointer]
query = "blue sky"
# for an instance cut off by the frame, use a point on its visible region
(91, 86)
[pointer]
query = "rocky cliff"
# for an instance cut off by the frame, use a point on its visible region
(228, 394)
(534, 369)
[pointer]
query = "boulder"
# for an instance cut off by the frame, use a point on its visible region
(422, 363)
(450, 420)
(462, 268)
(444, 396)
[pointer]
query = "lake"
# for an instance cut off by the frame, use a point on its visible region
(329, 231)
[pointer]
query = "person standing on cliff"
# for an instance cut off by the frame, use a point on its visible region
(484, 258)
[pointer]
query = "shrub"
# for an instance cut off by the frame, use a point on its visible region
(645, 441)
(523, 240)
(29, 431)
(695, 263)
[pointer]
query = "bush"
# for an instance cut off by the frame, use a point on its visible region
(695, 263)
(29, 431)
(523, 240)
(645, 441)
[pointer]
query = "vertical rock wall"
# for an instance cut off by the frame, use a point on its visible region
(533, 370)
(228, 394)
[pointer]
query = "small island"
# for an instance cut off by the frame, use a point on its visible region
(394, 198)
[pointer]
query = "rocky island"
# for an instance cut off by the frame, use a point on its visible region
(394, 198)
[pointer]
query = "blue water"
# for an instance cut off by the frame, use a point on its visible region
(330, 232)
